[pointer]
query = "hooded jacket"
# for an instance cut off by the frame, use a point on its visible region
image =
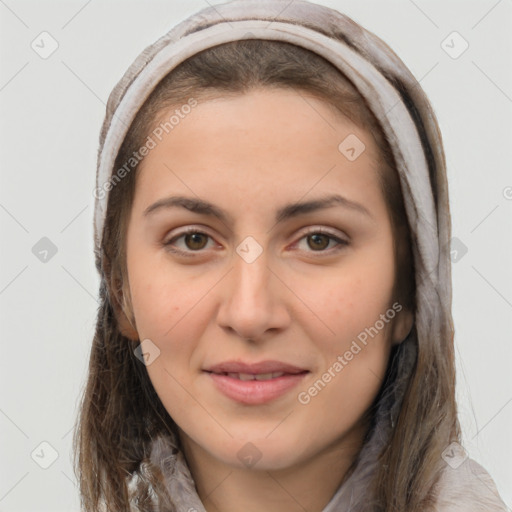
(405, 115)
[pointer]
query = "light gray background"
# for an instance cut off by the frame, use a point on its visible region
(50, 118)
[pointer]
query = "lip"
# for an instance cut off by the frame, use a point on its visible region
(268, 366)
(255, 392)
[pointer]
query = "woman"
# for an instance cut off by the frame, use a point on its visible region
(264, 370)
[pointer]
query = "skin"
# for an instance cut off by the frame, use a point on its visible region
(299, 302)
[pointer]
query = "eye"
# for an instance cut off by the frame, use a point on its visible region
(194, 240)
(318, 240)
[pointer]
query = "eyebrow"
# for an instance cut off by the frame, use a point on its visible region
(288, 211)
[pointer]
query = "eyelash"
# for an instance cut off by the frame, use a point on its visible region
(317, 231)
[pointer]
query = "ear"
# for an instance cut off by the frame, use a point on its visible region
(121, 306)
(402, 325)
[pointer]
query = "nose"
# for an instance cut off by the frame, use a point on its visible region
(254, 299)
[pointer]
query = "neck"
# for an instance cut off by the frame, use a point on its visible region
(308, 485)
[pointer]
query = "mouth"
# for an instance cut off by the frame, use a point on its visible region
(259, 368)
(256, 376)
(244, 384)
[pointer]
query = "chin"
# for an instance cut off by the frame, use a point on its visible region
(260, 454)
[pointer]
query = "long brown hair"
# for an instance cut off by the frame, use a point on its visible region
(120, 411)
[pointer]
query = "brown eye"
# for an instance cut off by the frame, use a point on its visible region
(323, 242)
(193, 240)
(319, 241)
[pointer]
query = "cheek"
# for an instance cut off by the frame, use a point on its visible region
(172, 309)
(162, 297)
(355, 352)
(352, 298)
(169, 315)
(166, 311)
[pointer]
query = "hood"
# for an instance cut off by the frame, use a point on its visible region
(467, 487)
(406, 117)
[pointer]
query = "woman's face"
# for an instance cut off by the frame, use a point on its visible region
(273, 275)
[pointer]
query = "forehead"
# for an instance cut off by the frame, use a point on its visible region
(266, 143)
